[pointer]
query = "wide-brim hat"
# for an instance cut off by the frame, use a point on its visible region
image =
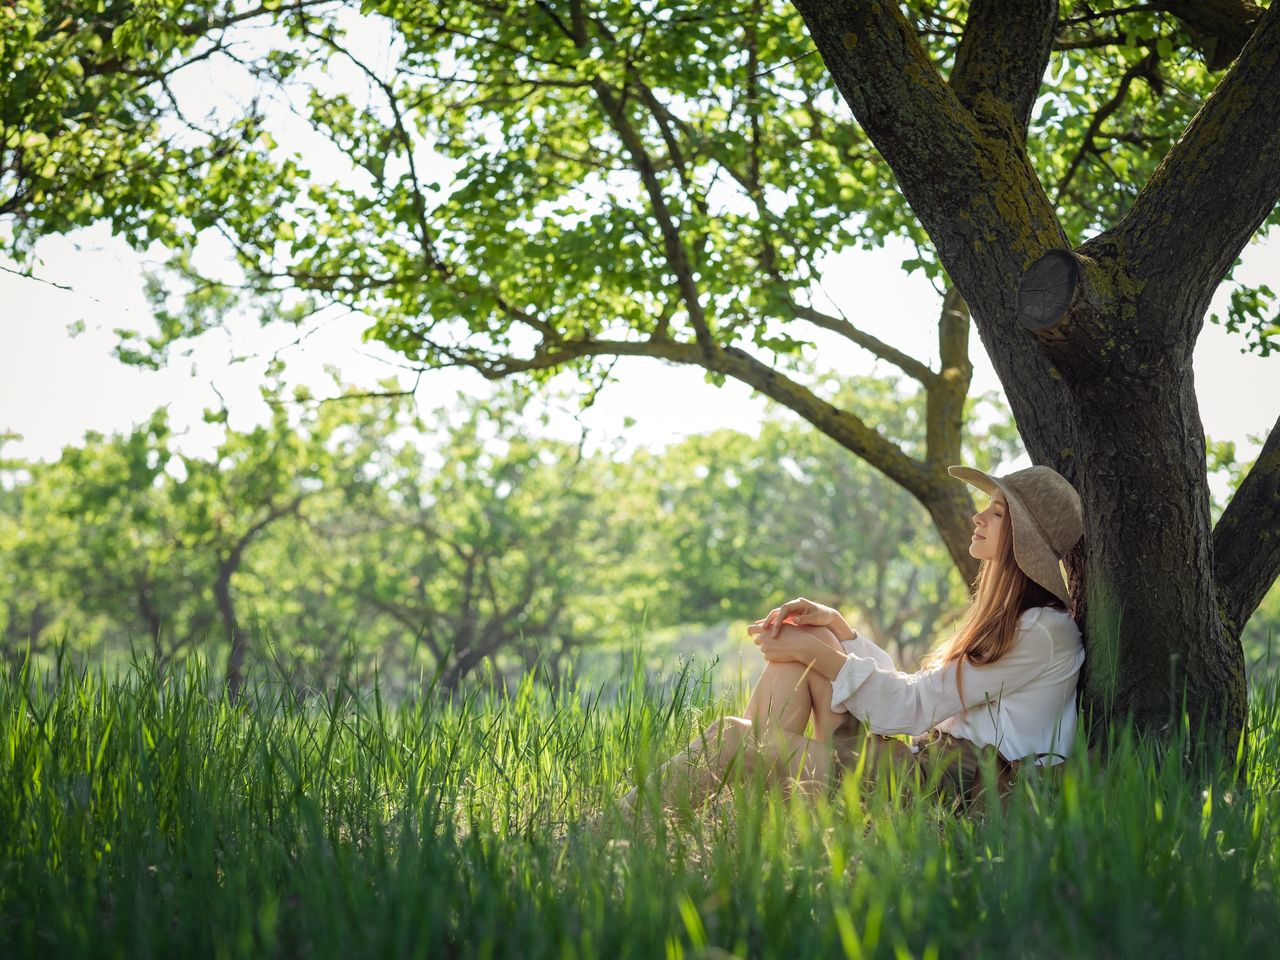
(1045, 514)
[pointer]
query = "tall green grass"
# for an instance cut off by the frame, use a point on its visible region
(142, 819)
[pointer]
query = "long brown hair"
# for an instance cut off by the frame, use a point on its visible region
(1001, 593)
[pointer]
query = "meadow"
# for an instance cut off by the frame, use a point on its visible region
(153, 818)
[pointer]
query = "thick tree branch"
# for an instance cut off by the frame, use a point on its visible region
(945, 397)
(1221, 27)
(844, 427)
(967, 178)
(673, 245)
(1217, 183)
(1246, 540)
(614, 107)
(663, 118)
(1093, 15)
(953, 338)
(751, 183)
(908, 364)
(964, 173)
(1002, 57)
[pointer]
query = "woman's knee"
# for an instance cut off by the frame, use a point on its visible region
(727, 729)
(827, 636)
(793, 668)
(820, 689)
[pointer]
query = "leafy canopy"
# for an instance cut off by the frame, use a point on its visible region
(530, 175)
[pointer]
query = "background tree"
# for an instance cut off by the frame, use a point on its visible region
(490, 554)
(97, 550)
(125, 539)
(332, 528)
(264, 476)
(25, 611)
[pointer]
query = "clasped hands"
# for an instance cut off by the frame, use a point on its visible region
(781, 636)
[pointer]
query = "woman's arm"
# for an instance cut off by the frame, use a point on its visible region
(863, 647)
(829, 661)
(840, 627)
(801, 644)
(892, 702)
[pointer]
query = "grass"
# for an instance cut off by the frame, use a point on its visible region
(141, 819)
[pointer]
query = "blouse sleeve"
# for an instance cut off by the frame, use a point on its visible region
(862, 647)
(889, 701)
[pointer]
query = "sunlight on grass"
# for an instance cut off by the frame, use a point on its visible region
(142, 819)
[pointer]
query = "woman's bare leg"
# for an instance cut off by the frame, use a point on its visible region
(771, 735)
(782, 697)
(828, 723)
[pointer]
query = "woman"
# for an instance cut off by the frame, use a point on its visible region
(1005, 681)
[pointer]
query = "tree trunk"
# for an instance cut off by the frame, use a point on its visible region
(222, 591)
(226, 608)
(1143, 573)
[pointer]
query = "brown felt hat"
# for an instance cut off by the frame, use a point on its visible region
(1044, 511)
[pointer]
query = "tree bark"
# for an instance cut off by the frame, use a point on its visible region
(1144, 574)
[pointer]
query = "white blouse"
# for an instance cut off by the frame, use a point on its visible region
(1023, 704)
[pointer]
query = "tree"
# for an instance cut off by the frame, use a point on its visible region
(24, 612)
(124, 538)
(308, 455)
(494, 552)
(96, 550)
(1093, 340)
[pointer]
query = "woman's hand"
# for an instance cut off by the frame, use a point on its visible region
(790, 643)
(801, 612)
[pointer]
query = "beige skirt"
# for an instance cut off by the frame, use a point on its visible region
(948, 767)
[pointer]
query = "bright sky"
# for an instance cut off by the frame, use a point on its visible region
(54, 387)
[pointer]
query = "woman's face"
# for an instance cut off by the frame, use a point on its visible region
(988, 528)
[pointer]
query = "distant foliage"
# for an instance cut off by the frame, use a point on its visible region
(354, 529)
(357, 530)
